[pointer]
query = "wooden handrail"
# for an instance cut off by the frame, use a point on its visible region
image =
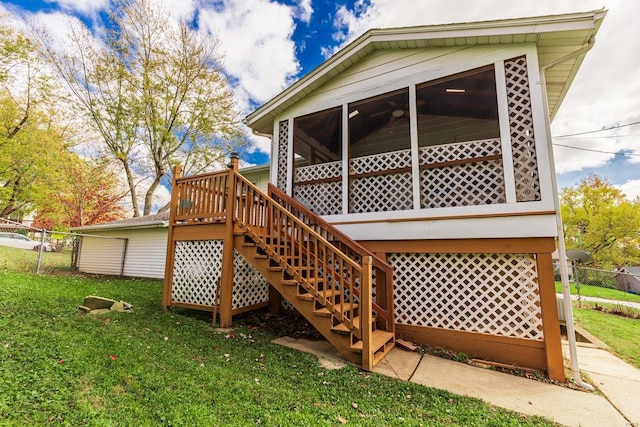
(288, 233)
(384, 310)
(406, 169)
(333, 231)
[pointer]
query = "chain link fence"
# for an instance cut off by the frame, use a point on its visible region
(622, 279)
(616, 279)
(29, 249)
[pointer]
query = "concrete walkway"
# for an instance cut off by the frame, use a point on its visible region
(618, 382)
(604, 300)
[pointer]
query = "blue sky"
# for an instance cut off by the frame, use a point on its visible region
(270, 44)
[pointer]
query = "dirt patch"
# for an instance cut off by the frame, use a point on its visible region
(279, 325)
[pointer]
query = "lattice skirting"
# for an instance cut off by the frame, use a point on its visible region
(487, 293)
(197, 269)
(249, 286)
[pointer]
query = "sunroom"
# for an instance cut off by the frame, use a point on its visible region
(463, 143)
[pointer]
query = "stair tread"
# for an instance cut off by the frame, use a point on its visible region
(378, 339)
(295, 281)
(324, 311)
(341, 327)
(308, 296)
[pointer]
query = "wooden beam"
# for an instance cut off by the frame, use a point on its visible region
(200, 232)
(550, 322)
(512, 351)
(366, 311)
(226, 282)
(170, 258)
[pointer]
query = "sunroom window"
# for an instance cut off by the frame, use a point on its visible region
(460, 155)
(380, 154)
(317, 145)
(458, 108)
(379, 124)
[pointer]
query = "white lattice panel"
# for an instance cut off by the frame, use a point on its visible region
(249, 286)
(380, 162)
(486, 293)
(525, 164)
(381, 193)
(324, 198)
(286, 305)
(283, 154)
(319, 171)
(196, 270)
(459, 151)
(462, 185)
(467, 184)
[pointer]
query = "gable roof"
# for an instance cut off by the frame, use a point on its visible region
(555, 35)
(160, 219)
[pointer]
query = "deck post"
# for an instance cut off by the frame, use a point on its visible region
(226, 282)
(171, 245)
(366, 313)
(550, 322)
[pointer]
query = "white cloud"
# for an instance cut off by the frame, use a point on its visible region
(305, 10)
(85, 7)
(258, 143)
(256, 39)
(179, 9)
(631, 188)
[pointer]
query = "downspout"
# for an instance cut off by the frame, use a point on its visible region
(564, 274)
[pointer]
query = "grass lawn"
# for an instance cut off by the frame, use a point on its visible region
(26, 261)
(150, 368)
(619, 333)
(599, 292)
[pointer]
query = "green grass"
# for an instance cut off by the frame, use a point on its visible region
(150, 368)
(619, 333)
(600, 292)
(26, 260)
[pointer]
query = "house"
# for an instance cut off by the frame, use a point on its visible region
(137, 247)
(628, 279)
(413, 195)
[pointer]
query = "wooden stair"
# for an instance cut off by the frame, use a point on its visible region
(327, 277)
(310, 301)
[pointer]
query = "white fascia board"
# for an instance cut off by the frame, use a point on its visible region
(468, 228)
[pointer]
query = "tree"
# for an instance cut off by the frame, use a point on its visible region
(84, 193)
(599, 219)
(30, 144)
(154, 90)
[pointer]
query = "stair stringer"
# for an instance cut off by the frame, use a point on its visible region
(342, 342)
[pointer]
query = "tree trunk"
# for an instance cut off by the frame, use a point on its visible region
(148, 198)
(132, 188)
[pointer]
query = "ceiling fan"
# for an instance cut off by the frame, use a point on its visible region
(396, 112)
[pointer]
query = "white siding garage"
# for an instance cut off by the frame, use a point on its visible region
(144, 249)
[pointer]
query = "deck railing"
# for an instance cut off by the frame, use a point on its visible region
(382, 285)
(321, 268)
(202, 198)
(306, 255)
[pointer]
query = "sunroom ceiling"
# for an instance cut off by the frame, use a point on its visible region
(556, 36)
